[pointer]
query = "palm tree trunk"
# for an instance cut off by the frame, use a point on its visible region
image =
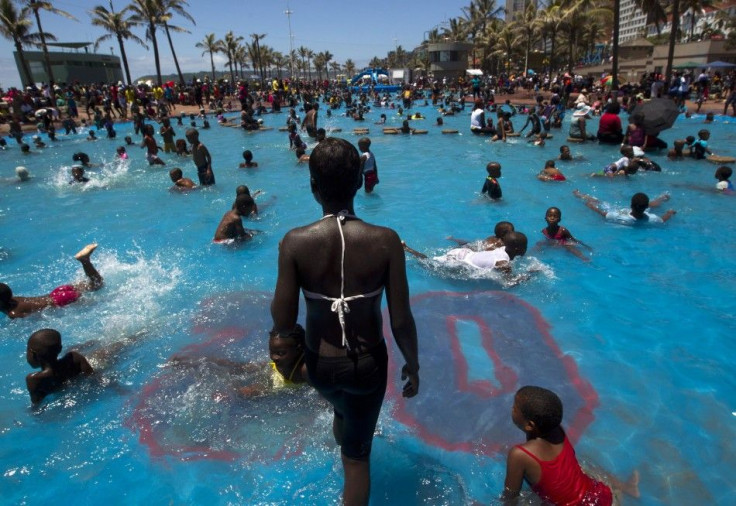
(173, 54)
(552, 53)
(46, 59)
(673, 38)
(124, 57)
(616, 29)
(570, 64)
(23, 62)
(152, 29)
(212, 64)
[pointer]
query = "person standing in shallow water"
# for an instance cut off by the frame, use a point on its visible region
(201, 157)
(345, 351)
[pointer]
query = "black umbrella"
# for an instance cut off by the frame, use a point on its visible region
(659, 114)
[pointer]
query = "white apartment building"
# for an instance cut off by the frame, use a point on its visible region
(632, 21)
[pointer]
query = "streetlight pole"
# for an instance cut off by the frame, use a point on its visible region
(288, 13)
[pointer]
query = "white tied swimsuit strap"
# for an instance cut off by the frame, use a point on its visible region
(340, 304)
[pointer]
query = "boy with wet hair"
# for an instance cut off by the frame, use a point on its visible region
(20, 307)
(565, 153)
(78, 175)
(492, 242)
(638, 212)
(42, 352)
(490, 185)
(201, 158)
(244, 190)
(345, 351)
(151, 147)
(231, 224)
(248, 163)
(699, 148)
(180, 182)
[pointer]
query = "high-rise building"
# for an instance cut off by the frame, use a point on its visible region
(514, 6)
(632, 21)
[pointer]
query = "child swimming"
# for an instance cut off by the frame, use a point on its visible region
(557, 234)
(638, 212)
(547, 460)
(42, 352)
(20, 307)
(491, 188)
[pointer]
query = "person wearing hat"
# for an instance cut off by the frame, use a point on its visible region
(22, 173)
(577, 125)
(582, 97)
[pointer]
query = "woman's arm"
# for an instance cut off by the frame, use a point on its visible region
(285, 304)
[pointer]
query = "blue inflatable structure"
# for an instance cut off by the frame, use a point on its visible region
(371, 79)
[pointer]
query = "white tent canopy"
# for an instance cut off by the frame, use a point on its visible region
(474, 72)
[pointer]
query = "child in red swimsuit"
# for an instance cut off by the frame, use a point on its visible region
(547, 460)
(558, 235)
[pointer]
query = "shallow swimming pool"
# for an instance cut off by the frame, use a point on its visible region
(638, 341)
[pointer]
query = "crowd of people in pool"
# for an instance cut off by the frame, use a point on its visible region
(342, 353)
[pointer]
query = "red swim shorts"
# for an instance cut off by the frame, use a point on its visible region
(63, 295)
(371, 180)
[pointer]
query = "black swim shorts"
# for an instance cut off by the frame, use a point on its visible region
(355, 386)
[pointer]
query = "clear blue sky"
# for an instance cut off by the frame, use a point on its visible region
(358, 30)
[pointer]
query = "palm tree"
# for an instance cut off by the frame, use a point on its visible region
(209, 45)
(693, 8)
(319, 64)
(228, 46)
(240, 57)
(303, 52)
(37, 5)
(310, 55)
(279, 61)
(257, 47)
(477, 17)
(170, 8)
(456, 30)
(14, 25)
(376, 62)
(328, 58)
(577, 14)
(655, 11)
(526, 25)
(673, 38)
(552, 18)
(349, 67)
(148, 13)
(336, 67)
(117, 25)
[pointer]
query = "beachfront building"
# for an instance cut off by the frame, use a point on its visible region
(448, 59)
(640, 57)
(632, 21)
(70, 66)
(709, 22)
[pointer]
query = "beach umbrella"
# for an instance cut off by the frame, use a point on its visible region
(689, 65)
(659, 114)
(720, 64)
(530, 72)
(607, 81)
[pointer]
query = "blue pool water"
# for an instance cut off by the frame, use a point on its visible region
(638, 341)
